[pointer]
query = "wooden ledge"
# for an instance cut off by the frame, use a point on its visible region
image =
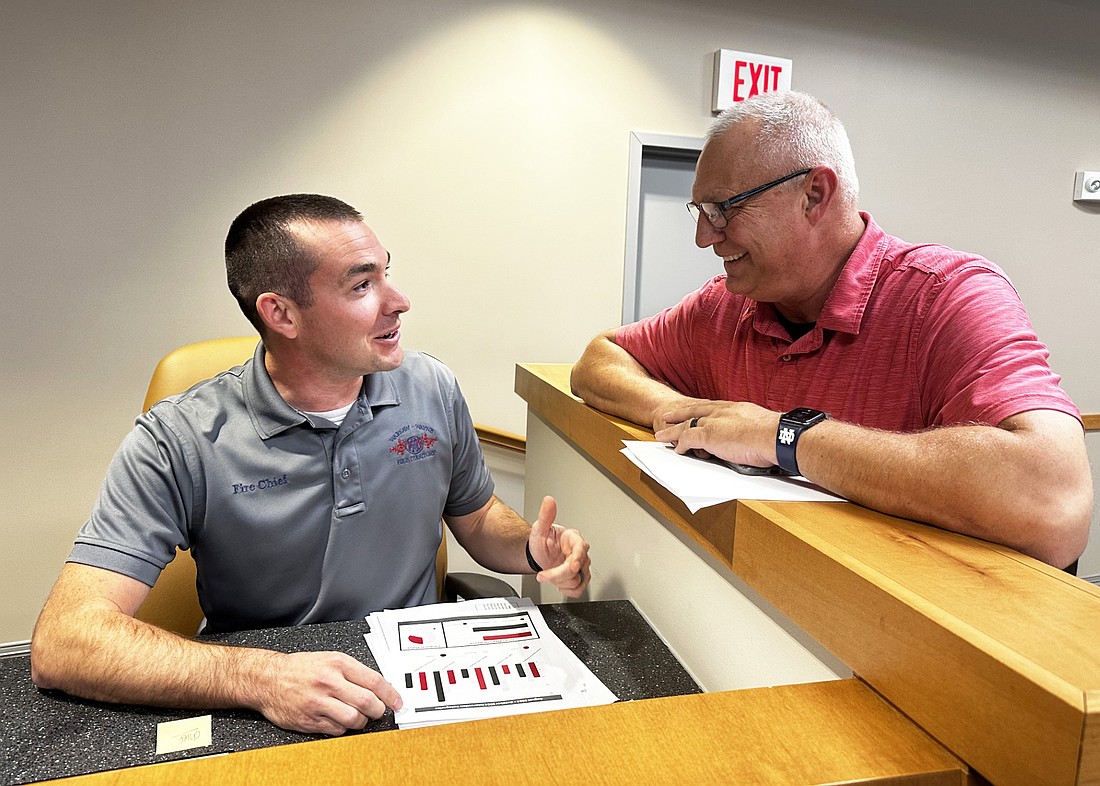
(993, 653)
(985, 649)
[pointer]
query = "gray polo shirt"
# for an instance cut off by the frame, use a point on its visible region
(292, 521)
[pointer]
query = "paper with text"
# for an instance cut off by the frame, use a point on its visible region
(700, 483)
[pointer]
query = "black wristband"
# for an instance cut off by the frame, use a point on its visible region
(791, 426)
(531, 560)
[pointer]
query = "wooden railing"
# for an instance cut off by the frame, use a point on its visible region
(503, 439)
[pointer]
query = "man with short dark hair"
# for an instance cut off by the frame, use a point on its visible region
(309, 485)
(904, 377)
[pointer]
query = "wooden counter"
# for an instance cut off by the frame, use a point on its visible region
(719, 738)
(994, 654)
(683, 739)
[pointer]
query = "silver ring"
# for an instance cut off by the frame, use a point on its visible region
(694, 422)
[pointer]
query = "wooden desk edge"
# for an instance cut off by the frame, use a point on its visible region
(766, 735)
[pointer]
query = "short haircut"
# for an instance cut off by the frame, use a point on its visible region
(263, 254)
(795, 131)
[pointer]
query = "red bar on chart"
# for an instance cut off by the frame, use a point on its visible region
(523, 635)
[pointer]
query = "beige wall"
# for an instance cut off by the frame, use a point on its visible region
(487, 143)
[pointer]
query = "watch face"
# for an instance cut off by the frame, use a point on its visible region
(802, 415)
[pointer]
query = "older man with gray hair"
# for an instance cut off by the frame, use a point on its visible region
(905, 377)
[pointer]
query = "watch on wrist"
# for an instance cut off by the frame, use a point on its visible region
(791, 426)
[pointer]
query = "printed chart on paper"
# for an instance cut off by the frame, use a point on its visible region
(477, 659)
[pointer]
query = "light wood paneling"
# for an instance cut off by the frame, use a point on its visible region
(832, 732)
(966, 640)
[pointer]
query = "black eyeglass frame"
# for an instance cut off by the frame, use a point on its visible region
(696, 210)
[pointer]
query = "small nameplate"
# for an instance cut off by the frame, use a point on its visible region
(181, 735)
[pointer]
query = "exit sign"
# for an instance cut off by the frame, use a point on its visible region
(741, 75)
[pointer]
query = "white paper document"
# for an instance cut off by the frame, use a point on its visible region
(478, 659)
(703, 482)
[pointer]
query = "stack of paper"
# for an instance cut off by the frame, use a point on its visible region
(478, 659)
(703, 482)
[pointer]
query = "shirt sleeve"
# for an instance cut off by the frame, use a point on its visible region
(471, 484)
(140, 517)
(980, 359)
(663, 343)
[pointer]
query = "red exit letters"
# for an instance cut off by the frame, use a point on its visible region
(741, 75)
(756, 78)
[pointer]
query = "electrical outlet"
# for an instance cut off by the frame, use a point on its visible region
(1086, 187)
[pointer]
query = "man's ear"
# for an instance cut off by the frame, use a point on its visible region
(280, 314)
(821, 189)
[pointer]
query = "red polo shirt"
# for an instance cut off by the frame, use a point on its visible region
(911, 336)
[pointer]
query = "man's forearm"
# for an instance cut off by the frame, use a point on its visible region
(494, 536)
(87, 644)
(1025, 483)
(610, 379)
(129, 661)
(1030, 491)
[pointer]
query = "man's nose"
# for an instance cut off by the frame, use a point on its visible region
(705, 233)
(397, 302)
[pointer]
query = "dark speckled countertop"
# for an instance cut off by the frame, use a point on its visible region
(46, 734)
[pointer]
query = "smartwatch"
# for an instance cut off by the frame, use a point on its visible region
(791, 426)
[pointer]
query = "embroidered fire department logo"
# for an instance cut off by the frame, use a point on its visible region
(413, 443)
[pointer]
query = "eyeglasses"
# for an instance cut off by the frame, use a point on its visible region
(715, 212)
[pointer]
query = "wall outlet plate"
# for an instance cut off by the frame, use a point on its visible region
(1086, 187)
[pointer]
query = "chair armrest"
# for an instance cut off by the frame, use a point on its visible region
(469, 586)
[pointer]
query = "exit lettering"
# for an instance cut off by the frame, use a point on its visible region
(757, 77)
(742, 75)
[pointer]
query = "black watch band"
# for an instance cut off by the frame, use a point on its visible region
(791, 426)
(531, 560)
